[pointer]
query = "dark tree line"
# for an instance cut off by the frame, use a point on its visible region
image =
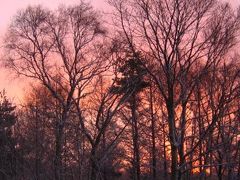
(157, 99)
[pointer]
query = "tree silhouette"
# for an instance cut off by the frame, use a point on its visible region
(7, 145)
(132, 81)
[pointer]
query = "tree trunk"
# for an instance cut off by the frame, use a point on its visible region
(172, 136)
(37, 149)
(93, 164)
(174, 169)
(165, 155)
(219, 173)
(58, 152)
(181, 146)
(136, 158)
(154, 162)
(59, 143)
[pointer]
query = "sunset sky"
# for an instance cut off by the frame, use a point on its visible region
(8, 9)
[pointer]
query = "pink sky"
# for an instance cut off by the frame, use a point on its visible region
(8, 9)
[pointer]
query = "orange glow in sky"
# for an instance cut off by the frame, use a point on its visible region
(15, 88)
(8, 8)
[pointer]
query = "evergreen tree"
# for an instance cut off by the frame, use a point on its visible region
(7, 145)
(131, 82)
(132, 73)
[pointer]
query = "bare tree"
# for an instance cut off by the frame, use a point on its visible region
(177, 36)
(57, 48)
(96, 115)
(158, 100)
